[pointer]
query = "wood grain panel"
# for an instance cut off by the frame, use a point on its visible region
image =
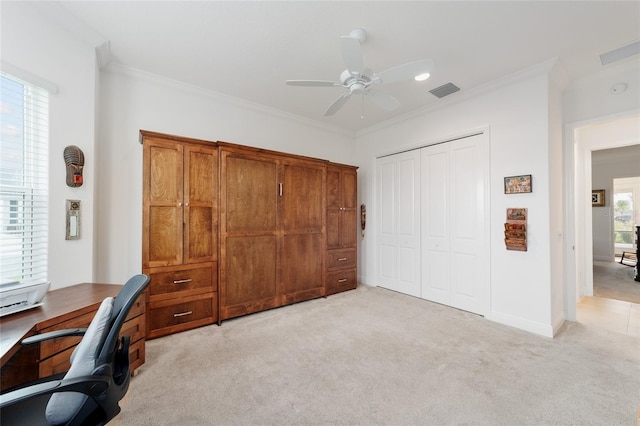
(251, 189)
(334, 190)
(334, 237)
(165, 235)
(304, 262)
(165, 173)
(200, 234)
(349, 189)
(250, 269)
(303, 199)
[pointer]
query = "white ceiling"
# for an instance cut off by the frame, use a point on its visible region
(248, 49)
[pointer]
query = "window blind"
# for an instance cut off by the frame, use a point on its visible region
(24, 181)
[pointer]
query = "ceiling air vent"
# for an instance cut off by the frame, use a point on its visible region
(444, 90)
(621, 53)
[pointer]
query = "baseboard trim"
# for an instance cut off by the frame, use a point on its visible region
(546, 330)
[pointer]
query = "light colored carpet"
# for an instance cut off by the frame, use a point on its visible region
(375, 357)
(615, 281)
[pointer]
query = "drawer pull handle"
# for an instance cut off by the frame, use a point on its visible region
(342, 259)
(182, 281)
(181, 314)
(343, 280)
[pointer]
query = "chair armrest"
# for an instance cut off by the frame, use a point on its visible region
(53, 335)
(88, 385)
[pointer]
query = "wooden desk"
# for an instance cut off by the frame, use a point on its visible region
(60, 308)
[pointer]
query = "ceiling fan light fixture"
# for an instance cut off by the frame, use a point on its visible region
(422, 76)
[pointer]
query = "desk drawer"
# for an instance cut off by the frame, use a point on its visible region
(54, 346)
(185, 280)
(171, 316)
(134, 328)
(341, 259)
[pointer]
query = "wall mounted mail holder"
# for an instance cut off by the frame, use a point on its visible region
(515, 230)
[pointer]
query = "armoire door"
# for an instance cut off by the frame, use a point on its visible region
(302, 211)
(248, 232)
(162, 206)
(455, 242)
(399, 222)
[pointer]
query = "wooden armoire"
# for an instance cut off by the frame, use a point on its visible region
(180, 232)
(230, 230)
(342, 231)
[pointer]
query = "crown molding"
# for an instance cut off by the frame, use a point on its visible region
(120, 69)
(543, 68)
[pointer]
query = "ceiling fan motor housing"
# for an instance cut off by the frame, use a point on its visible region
(356, 83)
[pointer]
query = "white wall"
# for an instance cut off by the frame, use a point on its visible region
(33, 43)
(131, 100)
(516, 112)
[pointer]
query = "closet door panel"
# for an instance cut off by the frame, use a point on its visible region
(468, 212)
(435, 223)
(399, 228)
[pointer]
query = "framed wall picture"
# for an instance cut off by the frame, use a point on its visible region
(597, 198)
(517, 184)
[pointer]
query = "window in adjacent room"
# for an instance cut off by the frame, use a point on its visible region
(24, 181)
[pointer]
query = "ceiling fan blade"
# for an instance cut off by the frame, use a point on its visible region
(383, 100)
(405, 71)
(337, 104)
(352, 54)
(312, 83)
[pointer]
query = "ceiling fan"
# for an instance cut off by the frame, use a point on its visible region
(358, 80)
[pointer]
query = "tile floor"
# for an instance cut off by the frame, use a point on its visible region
(609, 314)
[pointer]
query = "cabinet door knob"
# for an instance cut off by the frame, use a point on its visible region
(182, 281)
(342, 259)
(182, 314)
(342, 280)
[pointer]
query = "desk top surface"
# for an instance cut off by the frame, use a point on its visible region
(57, 306)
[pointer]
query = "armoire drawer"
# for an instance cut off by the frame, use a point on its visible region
(170, 316)
(341, 259)
(185, 280)
(342, 280)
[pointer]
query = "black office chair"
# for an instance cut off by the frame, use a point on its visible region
(99, 376)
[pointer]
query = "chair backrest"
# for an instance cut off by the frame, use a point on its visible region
(123, 303)
(99, 353)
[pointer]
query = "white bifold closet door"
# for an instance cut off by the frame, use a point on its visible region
(455, 225)
(433, 239)
(399, 230)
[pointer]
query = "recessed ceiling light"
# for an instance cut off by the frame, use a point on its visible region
(422, 77)
(618, 88)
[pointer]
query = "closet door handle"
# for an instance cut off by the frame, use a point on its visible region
(280, 188)
(182, 281)
(182, 314)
